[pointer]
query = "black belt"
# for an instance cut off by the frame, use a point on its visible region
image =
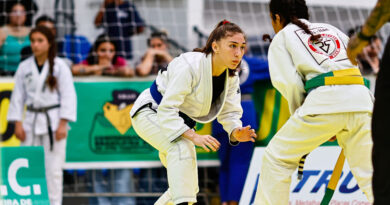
(44, 110)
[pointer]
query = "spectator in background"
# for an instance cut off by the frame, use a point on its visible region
(369, 58)
(121, 20)
(41, 21)
(13, 37)
(30, 6)
(103, 60)
(156, 57)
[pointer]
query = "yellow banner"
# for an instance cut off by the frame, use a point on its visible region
(6, 130)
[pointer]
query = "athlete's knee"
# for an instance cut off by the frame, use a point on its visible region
(279, 160)
(183, 148)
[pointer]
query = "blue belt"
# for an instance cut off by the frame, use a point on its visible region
(155, 94)
(158, 97)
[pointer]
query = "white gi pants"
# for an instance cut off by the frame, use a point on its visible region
(301, 135)
(54, 161)
(178, 157)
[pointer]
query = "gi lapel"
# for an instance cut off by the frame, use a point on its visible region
(41, 83)
(208, 83)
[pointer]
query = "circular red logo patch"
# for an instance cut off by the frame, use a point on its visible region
(328, 45)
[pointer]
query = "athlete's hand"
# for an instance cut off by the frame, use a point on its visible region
(19, 131)
(355, 47)
(207, 142)
(244, 134)
(62, 130)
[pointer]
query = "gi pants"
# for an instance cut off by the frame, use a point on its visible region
(178, 157)
(54, 161)
(301, 135)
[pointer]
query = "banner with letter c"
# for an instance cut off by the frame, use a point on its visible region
(22, 176)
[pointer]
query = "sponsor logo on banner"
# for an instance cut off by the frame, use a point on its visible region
(316, 175)
(109, 130)
(22, 180)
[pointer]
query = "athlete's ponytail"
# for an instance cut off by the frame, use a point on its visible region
(290, 11)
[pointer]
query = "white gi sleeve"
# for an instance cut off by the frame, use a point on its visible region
(68, 99)
(284, 76)
(18, 97)
(232, 111)
(179, 85)
(344, 38)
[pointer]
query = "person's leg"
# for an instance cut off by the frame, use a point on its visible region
(239, 161)
(179, 157)
(299, 136)
(100, 184)
(165, 199)
(223, 154)
(182, 171)
(123, 184)
(357, 144)
(380, 132)
(54, 161)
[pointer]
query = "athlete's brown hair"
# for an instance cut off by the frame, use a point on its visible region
(51, 81)
(223, 29)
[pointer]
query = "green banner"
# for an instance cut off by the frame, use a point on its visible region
(22, 176)
(103, 130)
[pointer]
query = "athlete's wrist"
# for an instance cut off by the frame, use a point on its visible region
(233, 134)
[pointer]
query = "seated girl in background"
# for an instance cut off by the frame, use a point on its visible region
(103, 60)
(157, 56)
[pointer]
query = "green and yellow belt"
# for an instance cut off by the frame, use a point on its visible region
(350, 76)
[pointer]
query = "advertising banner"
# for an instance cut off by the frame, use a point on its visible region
(6, 129)
(103, 132)
(22, 176)
(317, 171)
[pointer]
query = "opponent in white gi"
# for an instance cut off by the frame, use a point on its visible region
(196, 86)
(326, 95)
(44, 84)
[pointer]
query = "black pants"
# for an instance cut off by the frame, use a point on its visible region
(381, 132)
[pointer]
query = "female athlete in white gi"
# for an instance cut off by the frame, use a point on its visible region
(44, 84)
(197, 86)
(326, 95)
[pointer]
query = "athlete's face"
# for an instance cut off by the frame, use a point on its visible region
(277, 23)
(230, 50)
(39, 44)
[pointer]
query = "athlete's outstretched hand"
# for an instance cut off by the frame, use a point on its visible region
(244, 134)
(207, 142)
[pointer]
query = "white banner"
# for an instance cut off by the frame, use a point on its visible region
(311, 189)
